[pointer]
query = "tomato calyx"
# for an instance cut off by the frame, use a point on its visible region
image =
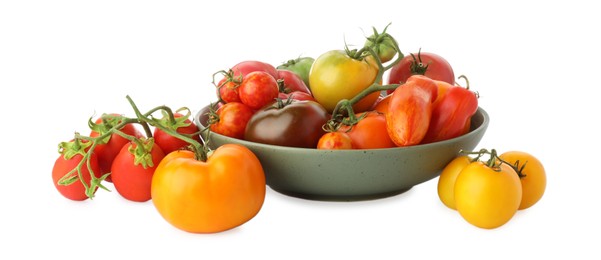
(494, 161)
(417, 66)
(384, 44)
(141, 149)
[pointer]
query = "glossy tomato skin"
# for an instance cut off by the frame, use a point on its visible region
(409, 113)
(296, 95)
(244, 68)
(228, 90)
(291, 82)
(451, 115)
(74, 191)
(169, 143)
(298, 124)
(107, 152)
(213, 196)
(232, 119)
(438, 68)
(335, 76)
(335, 141)
(258, 89)
(485, 197)
(133, 179)
(301, 66)
(447, 178)
(370, 132)
(534, 181)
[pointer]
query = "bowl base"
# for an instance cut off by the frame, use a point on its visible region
(342, 198)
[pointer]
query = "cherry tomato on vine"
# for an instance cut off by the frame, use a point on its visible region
(110, 146)
(183, 125)
(370, 132)
(133, 168)
(335, 75)
(230, 119)
(447, 178)
(71, 186)
(258, 89)
(223, 192)
(227, 89)
(288, 123)
(534, 180)
(429, 64)
(335, 141)
(487, 197)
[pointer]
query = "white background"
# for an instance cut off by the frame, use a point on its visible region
(535, 66)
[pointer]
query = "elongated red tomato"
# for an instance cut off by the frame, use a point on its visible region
(409, 113)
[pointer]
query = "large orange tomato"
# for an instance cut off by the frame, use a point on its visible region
(223, 192)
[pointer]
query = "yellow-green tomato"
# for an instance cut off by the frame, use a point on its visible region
(534, 181)
(335, 76)
(487, 197)
(448, 176)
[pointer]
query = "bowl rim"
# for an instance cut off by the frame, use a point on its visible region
(480, 110)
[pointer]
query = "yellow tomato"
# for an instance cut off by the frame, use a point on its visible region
(535, 180)
(487, 197)
(335, 76)
(218, 194)
(448, 176)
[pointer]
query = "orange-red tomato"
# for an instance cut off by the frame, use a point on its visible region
(370, 132)
(409, 112)
(223, 192)
(335, 141)
(382, 104)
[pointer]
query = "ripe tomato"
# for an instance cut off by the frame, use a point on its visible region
(213, 196)
(447, 178)
(66, 163)
(301, 66)
(429, 64)
(291, 82)
(296, 95)
(258, 89)
(295, 124)
(335, 76)
(409, 113)
(487, 197)
(370, 132)
(133, 168)
(335, 141)
(228, 90)
(535, 180)
(111, 146)
(182, 125)
(451, 115)
(244, 68)
(231, 119)
(382, 104)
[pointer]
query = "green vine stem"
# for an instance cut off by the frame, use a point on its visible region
(494, 161)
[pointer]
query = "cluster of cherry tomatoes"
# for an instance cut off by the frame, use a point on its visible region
(488, 193)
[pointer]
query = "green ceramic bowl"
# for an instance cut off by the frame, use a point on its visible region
(349, 175)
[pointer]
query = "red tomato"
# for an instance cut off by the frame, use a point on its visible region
(429, 64)
(231, 119)
(370, 132)
(335, 141)
(291, 82)
(66, 163)
(244, 68)
(258, 89)
(133, 168)
(409, 113)
(182, 125)
(228, 90)
(110, 147)
(451, 115)
(382, 104)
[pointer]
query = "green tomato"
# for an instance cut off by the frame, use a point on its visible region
(301, 66)
(383, 44)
